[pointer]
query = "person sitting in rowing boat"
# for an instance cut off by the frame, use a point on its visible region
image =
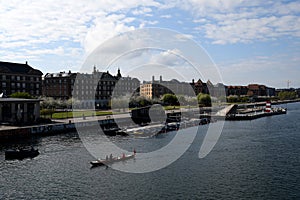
(110, 157)
(106, 158)
(123, 155)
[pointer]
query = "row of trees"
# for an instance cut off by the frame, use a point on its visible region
(140, 101)
(173, 100)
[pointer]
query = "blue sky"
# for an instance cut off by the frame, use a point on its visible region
(250, 41)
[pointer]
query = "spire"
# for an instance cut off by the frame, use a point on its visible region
(119, 73)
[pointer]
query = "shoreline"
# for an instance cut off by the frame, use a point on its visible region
(68, 125)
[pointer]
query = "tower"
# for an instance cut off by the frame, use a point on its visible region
(119, 73)
(268, 106)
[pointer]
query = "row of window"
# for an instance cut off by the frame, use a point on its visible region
(19, 78)
(18, 85)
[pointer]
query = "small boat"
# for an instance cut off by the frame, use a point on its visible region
(111, 160)
(21, 153)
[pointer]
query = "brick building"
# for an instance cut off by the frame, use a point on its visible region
(199, 87)
(18, 77)
(92, 89)
(59, 85)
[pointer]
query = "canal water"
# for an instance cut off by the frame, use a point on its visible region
(257, 159)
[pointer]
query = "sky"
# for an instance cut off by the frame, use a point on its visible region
(249, 41)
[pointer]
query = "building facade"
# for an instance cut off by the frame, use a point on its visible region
(59, 85)
(199, 87)
(19, 111)
(236, 90)
(18, 77)
(91, 89)
(157, 88)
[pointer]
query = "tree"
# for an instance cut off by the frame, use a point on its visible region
(287, 95)
(232, 99)
(21, 95)
(204, 99)
(182, 100)
(170, 99)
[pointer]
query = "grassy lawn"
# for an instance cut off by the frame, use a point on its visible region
(70, 114)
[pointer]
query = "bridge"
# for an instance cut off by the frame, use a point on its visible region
(231, 109)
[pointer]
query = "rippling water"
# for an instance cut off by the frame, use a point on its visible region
(257, 159)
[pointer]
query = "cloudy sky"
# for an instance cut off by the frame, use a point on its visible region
(250, 41)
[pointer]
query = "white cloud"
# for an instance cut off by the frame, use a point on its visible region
(169, 58)
(232, 21)
(142, 11)
(26, 23)
(166, 16)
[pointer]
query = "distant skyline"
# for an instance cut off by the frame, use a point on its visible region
(249, 41)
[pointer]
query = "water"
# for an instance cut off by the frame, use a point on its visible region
(257, 159)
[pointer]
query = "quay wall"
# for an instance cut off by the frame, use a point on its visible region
(46, 129)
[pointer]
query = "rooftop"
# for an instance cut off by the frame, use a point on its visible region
(18, 68)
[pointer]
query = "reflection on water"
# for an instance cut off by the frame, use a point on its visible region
(256, 159)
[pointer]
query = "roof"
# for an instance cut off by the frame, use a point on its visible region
(18, 68)
(61, 74)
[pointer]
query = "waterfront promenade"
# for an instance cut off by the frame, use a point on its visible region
(68, 124)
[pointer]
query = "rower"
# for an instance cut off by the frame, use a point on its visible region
(110, 157)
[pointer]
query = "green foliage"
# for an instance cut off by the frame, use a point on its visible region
(287, 95)
(204, 99)
(21, 95)
(139, 101)
(232, 99)
(46, 112)
(170, 99)
(182, 100)
(237, 99)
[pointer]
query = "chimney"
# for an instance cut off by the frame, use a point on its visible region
(26, 63)
(160, 78)
(152, 78)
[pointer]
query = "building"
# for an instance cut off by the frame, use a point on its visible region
(157, 88)
(199, 87)
(126, 86)
(257, 90)
(218, 90)
(59, 85)
(18, 77)
(236, 90)
(19, 111)
(91, 89)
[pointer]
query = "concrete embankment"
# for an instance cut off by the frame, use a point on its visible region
(13, 132)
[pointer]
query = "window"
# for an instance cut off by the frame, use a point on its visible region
(3, 77)
(23, 85)
(12, 77)
(18, 78)
(37, 85)
(3, 84)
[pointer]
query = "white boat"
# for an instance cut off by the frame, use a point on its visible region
(109, 161)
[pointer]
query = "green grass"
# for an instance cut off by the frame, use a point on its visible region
(68, 114)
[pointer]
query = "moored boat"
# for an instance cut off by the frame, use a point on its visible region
(21, 153)
(111, 160)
